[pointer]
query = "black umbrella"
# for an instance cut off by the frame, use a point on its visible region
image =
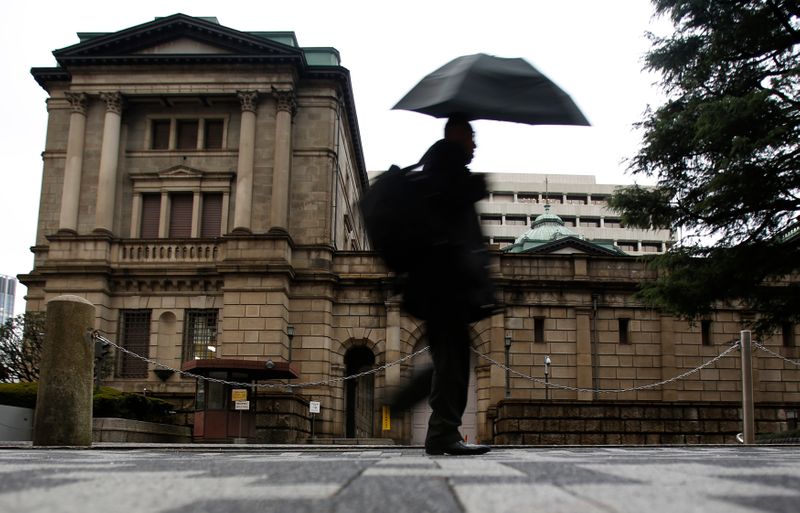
(482, 86)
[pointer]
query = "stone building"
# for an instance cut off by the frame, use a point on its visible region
(200, 187)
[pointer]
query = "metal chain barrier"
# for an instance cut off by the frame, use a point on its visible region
(97, 336)
(773, 353)
(611, 390)
(735, 345)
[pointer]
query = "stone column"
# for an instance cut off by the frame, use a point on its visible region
(163, 227)
(242, 216)
(392, 344)
(197, 200)
(668, 369)
(584, 378)
(109, 160)
(64, 399)
(70, 193)
(279, 210)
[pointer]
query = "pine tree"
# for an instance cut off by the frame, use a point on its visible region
(725, 155)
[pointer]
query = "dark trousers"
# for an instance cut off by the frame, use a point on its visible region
(445, 383)
(450, 347)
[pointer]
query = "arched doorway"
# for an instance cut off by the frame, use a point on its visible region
(422, 411)
(359, 393)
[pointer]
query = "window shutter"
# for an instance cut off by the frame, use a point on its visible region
(211, 220)
(151, 215)
(160, 134)
(213, 134)
(187, 134)
(135, 331)
(180, 215)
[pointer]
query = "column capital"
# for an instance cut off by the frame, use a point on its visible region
(248, 100)
(285, 99)
(77, 101)
(114, 101)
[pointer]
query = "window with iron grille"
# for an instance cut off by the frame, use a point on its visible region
(705, 332)
(623, 329)
(200, 335)
(538, 330)
(134, 333)
(787, 332)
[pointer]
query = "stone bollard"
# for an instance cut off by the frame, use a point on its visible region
(64, 400)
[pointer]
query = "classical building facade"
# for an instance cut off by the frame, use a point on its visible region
(200, 188)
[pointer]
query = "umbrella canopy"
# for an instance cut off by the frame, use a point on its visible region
(483, 86)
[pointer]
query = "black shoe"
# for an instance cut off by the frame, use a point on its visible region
(459, 448)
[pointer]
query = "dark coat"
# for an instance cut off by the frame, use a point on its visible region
(454, 276)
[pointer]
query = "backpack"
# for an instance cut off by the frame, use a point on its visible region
(395, 214)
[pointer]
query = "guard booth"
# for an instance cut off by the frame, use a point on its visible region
(227, 413)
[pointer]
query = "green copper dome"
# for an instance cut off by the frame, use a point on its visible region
(546, 228)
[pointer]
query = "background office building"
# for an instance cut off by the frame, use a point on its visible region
(8, 287)
(517, 199)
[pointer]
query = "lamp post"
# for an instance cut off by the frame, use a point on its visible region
(290, 334)
(508, 363)
(547, 377)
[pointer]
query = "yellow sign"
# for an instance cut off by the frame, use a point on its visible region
(387, 419)
(239, 394)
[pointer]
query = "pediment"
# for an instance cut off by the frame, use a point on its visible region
(176, 37)
(574, 246)
(184, 46)
(180, 172)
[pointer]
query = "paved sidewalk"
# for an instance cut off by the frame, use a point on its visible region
(395, 480)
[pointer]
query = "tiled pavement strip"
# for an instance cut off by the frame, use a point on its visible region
(394, 480)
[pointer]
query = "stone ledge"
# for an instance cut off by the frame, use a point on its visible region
(126, 430)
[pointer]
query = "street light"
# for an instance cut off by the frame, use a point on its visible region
(508, 363)
(547, 377)
(290, 334)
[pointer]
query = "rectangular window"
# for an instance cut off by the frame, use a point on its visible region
(516, 220)
(503, 241)
(503, 197)
(589, 222)
(705, 332)
(159, 135)
(135, 336)
(610, 222)
(527, 197)
(538, 330)
(213, 134)
(554, 199)
(576, 199)
(624, 334)
(200, 335)
(180, 215)
(489, 219)
(187, 134)
(211, 217)
(151, 215)
(787, 330)
(599, 200)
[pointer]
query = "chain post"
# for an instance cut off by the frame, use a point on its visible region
(748, 420)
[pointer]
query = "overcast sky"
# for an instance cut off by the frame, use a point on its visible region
(592, 49)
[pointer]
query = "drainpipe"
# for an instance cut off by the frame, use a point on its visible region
(593, 341)
(335, 174)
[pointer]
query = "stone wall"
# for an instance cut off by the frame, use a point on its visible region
(519, 422)
(282, 419)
